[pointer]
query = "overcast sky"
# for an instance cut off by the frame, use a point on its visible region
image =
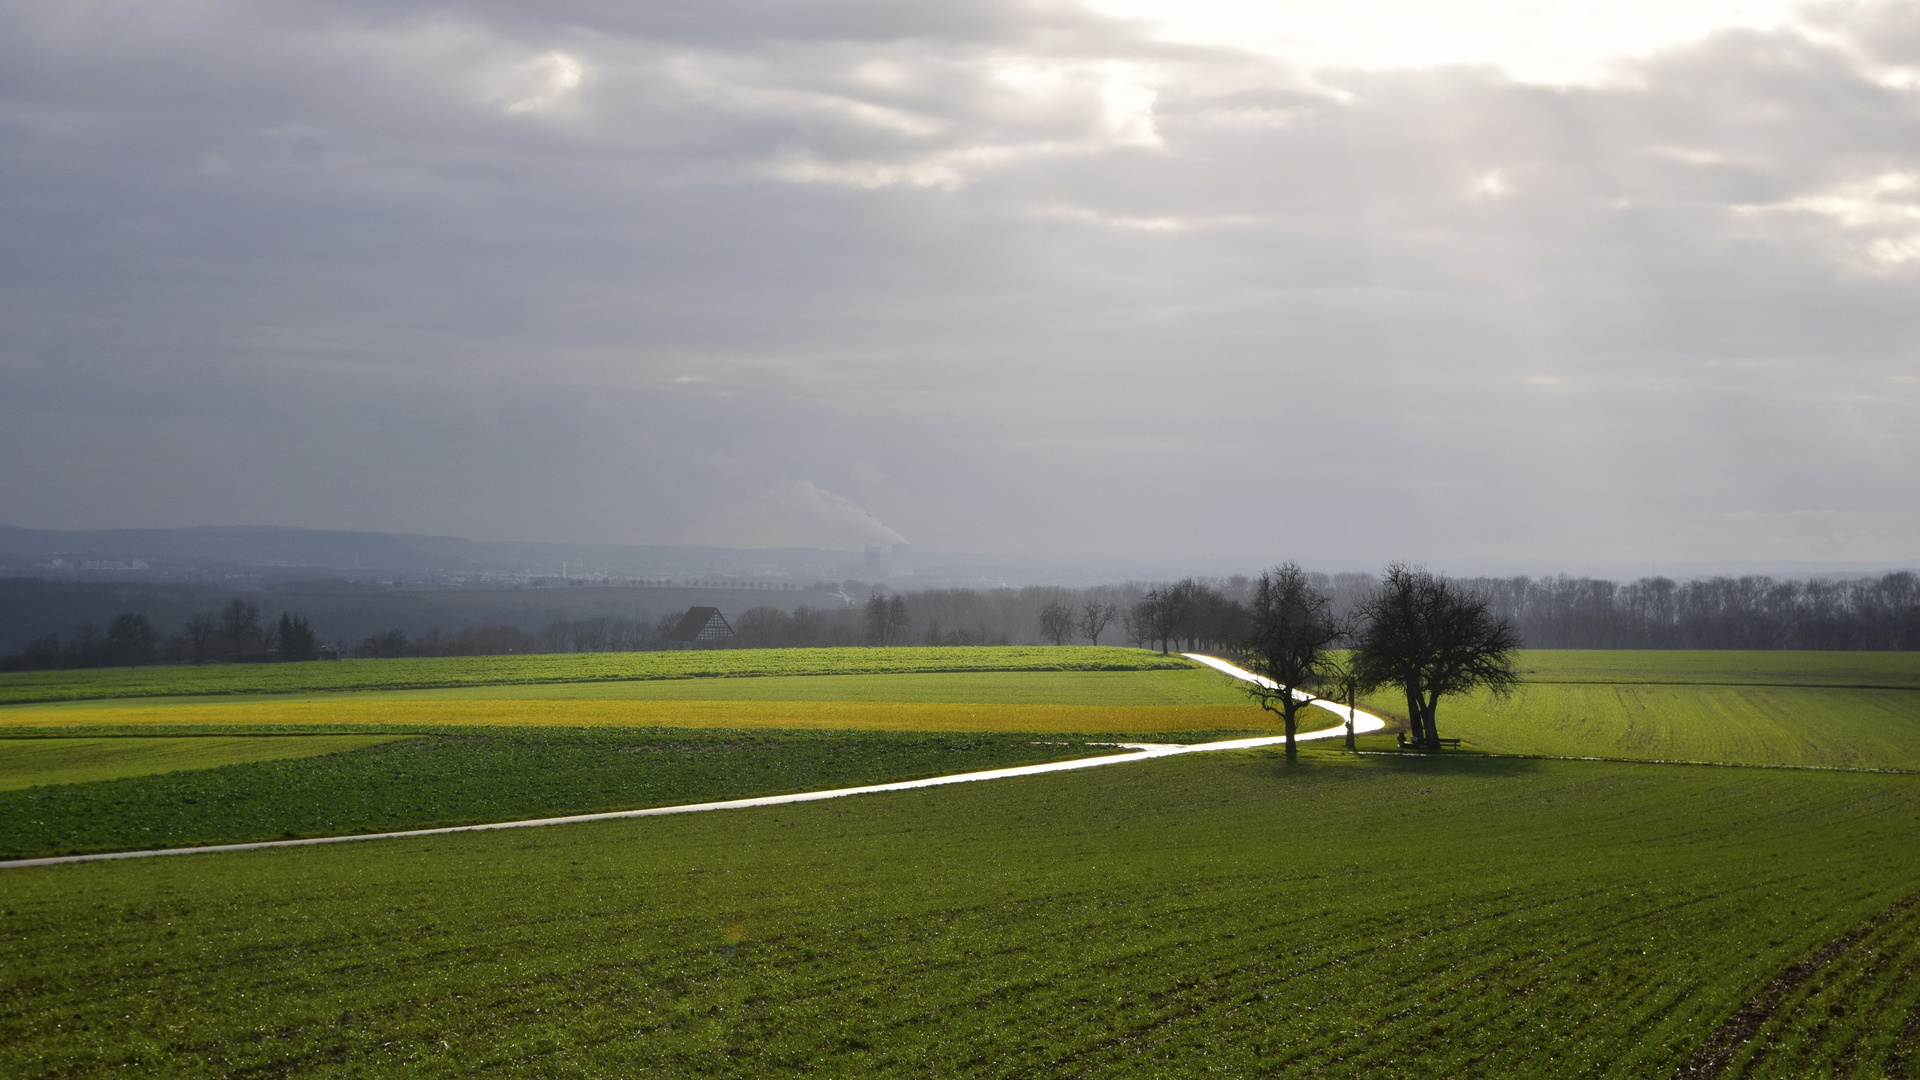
(1135, 279)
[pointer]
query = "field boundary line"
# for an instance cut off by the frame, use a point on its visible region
(1362, 722)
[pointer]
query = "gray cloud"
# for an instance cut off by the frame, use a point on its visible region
(607, 273)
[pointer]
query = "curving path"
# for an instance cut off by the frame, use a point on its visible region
(1362, 723)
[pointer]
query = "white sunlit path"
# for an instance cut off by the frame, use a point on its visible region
(1362, 723)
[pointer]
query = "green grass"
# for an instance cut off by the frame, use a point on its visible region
(451, 779)
(1749, 668)
(1228, 915)
(463, 671)
(1186, 685)
(30, 762)
(1756, 725)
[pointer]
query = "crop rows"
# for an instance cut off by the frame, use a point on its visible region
(1237, 915)
(1753, 725)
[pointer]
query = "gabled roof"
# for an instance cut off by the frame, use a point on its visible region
(702, 624)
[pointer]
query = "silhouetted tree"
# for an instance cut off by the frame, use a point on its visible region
(898, 622)
(887, 620)
(1291, 627)
(386, 645)
(297, 640)
(202, 631)
(240, 625)
(1056, 623)
(1432, 637)
(1094, 617)
(131, 640)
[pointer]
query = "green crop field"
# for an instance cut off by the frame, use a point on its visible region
(1755, 725)
(458, 778)
(1746, 668)
(1848, 710)
(46, 686)
(1219, 915)
(31, 762)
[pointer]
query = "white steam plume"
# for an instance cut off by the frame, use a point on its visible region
(841, 513)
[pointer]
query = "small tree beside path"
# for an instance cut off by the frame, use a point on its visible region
(1292, 630)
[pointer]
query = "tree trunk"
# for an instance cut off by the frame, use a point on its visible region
(1428, 708)
(1350, 745)
(1417, 729)
(1290, 707)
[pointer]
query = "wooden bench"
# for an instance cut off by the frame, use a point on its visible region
(1404, 744)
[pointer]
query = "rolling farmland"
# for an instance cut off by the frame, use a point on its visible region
(1395, 915)
(1542, 918)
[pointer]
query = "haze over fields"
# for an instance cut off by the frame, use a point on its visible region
(1490, 286)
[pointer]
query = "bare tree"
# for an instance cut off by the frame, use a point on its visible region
(1291, 628)
(887, 620)
(1161, 615)
(201, 632)
(297, 640)
(1094, 617)
(131, 640)
(1056, 623)
(240, 625)
(1432, 637)
(1342, 676)
(898, 623)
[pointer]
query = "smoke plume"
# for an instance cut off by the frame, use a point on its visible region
(838, 512)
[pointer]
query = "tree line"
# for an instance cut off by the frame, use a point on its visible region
(237, 633)
(1750, 612)
(234, 633)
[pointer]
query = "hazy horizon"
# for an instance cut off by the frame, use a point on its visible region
(1123, 282)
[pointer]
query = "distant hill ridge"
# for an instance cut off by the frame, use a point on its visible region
(336, 549)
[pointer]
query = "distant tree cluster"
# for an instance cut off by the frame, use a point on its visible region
(601, 633)
(234, 633)
(472, 641)
(804, 628)
(1880, 613)
(1192, 614)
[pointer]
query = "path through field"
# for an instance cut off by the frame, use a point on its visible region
(1362, 723)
